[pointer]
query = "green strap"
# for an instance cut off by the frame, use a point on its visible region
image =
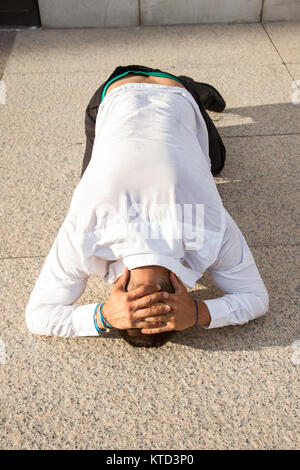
(157, 74)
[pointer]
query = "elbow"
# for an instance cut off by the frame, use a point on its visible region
(34, 321)
(264, 302)
(32, 328)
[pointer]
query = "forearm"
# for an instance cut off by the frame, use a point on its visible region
(52, 311)
(237, 309)
(61, 320)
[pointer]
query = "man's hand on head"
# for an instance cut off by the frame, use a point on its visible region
(125, 310)
(183, 311)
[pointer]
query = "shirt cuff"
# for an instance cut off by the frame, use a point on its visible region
(219, 312)
(83, 321)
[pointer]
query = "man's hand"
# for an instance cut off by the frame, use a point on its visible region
(124, 310)
(183, 311)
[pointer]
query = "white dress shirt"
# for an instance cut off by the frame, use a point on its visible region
(147, 197)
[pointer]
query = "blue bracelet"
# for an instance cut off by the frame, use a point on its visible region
(197, 313)
(95, 321)
(104, 321)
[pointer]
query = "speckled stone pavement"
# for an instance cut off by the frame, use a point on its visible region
(230, 388)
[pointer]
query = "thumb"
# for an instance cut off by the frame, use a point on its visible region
(120, 283)
(177, 284)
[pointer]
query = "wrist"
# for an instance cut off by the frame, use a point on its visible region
(204, 317)
(103, 317)
(98, 320)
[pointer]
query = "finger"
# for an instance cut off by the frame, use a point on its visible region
(153, 331)
(142, 291)
(150, 299)
(177, 284)
(120, 283)
(158, 318)
(151, 311)
(147, 326)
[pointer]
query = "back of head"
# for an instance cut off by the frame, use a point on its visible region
(134, 336)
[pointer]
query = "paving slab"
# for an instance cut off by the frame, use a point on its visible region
(286, 37)
(261, 205)
(260, 156)
(39, 183)
(163, 47)
(237, 386)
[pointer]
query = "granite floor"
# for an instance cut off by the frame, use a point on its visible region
(230, 388)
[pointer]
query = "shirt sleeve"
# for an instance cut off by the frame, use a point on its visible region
(235, 272)
(62, 280)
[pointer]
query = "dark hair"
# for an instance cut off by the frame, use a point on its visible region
(135, 338)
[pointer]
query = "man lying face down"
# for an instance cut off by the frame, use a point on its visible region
(147, 218)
